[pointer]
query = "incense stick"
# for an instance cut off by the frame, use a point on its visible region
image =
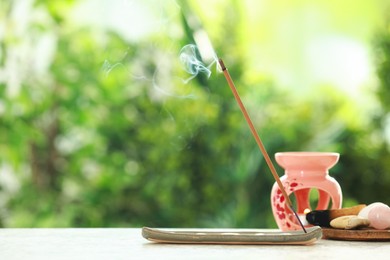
(258, 140)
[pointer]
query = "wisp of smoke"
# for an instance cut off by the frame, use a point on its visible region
(107, 67)
(192, 64)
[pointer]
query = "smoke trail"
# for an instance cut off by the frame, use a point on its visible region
(107, 67)
(189, 57)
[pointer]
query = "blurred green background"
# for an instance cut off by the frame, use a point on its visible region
(101, 126)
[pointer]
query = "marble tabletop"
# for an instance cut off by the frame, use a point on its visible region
(128, 243)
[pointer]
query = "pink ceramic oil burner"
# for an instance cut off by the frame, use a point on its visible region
(304, 171)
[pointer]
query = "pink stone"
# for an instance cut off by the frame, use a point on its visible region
(379, 216)
(364, 212)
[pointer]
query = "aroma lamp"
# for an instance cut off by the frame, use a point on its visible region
(304, 171)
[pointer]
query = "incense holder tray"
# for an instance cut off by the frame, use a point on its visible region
(304, 171)
(232, 236)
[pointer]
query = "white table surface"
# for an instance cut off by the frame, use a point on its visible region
(128, 243)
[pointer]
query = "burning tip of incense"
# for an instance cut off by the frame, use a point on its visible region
(222, 64)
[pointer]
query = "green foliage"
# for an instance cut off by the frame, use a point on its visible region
(107, 134)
